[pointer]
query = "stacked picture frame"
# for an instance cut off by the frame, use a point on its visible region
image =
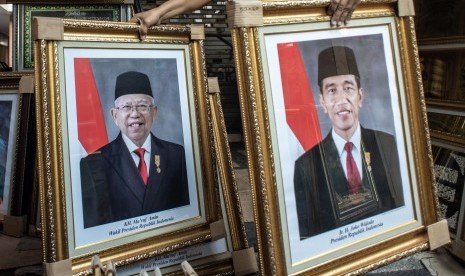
(16, 93)
(24, 11)
(446, 120)
(17, 96)
(441, 50)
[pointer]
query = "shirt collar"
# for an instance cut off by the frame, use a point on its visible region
(340, 142)
(132, 147)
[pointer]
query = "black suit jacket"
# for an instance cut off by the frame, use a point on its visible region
(319, 179)
(113, 190)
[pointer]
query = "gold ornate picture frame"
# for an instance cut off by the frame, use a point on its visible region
(24, 13)
(16, 98)
(303, 223)
(74, 52)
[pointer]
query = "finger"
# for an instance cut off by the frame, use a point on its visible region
(332, 7)
(351, 5)
(336, 16)
(134, 18)
(345, 16)
(344, 12)
(143, 29)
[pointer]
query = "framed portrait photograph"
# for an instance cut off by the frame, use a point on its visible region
(15, 102)
(24, 13)
(332, 120)
(126, 155)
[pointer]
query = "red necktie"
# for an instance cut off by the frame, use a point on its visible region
(142, 167)
(353, 176)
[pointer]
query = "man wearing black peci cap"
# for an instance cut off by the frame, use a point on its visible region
(137, 173)
(354, 172)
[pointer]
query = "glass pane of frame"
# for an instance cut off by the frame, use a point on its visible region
(165, 68)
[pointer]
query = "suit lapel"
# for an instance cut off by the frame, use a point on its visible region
(157, 171)
(121, 160)
(336, 176)
(367, 142)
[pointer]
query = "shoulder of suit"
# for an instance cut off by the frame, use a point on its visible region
(104, 149)
(380, 135)
(96, 155)
(379, 132)
(166, 143)
(311, 153)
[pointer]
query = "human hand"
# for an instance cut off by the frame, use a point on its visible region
(146, 20)
(341, 11)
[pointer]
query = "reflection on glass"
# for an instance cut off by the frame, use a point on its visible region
(445, 123)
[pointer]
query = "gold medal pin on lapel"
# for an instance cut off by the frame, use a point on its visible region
(368, 160)
(157, 163)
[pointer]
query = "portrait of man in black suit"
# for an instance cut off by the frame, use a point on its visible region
(354, 172)
(137, 173)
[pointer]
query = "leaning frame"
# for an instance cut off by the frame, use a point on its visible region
(260, 139)
(54, 189)
(17, 165)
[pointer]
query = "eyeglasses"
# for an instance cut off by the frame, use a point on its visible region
(142, 108)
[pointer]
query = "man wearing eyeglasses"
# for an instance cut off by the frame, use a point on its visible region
(137, 173)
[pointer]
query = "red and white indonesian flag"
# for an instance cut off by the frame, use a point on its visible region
(92, 132)
(299, 104)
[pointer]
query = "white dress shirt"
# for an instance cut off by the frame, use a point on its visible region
(356, 139)
(132, 147)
